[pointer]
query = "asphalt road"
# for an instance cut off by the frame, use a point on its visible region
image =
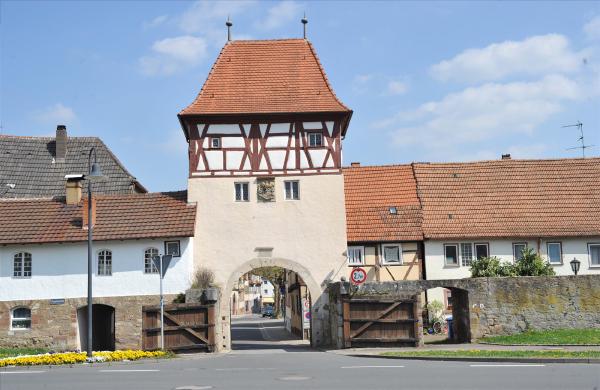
(264, 362)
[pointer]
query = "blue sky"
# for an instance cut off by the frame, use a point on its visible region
(439, 81)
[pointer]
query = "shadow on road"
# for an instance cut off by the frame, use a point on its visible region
(253, 332)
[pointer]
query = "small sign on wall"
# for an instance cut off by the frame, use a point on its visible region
(57, 301)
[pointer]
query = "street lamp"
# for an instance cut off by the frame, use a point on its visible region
(94, 172)
(575, 264)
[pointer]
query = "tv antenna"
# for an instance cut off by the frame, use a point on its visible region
(581, 139)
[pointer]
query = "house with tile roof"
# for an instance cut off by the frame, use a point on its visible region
(383, 222)
(35, 167)
(498, 208)
(43, 266)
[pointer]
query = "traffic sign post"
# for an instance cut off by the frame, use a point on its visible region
(162, 265)
(358, 275)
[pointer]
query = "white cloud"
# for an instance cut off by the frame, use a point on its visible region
(157, 21)
(396, 87)
(543, 54)
(360, 82)
(57, 114)
(208, 18)
(487, 112)
(173, 54)
(592, 28)
(280, 14)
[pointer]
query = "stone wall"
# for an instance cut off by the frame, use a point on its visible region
(55, 325)
(496, 306)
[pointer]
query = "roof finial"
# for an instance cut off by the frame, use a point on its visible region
(228, 23)
(304, 22)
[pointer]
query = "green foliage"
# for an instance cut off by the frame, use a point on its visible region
(10, 352)
(530, 264)
(436, 310)
(479, 353)
(180, 298)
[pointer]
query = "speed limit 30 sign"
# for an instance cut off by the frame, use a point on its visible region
(358, 275)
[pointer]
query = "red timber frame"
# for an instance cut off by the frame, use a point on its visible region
(255, 147)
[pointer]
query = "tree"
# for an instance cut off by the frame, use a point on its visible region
(531, 264)
(276, 275)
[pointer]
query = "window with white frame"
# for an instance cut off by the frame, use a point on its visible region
(241, 192)
(356, 255)
(518, 248)
(594, 250)
(392, 254)
(105, 263)
(20, 318)
(315, 139)
(482, 250)
(466, 254)
(451, 254)
(149, 267)
(554, 250)
(22, 265)
(292, 190)
(215, 142)
(173, 248)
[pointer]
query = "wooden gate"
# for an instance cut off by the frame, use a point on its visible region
(378, 322)
(188, 326)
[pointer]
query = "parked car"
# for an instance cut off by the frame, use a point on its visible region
(268, 311)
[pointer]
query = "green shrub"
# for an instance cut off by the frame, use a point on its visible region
(530, 264)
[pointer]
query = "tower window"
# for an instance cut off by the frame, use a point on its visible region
(292, 190)
(215, 142)
(241, 192)
(315, 139)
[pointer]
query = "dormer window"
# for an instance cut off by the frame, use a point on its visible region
(215, 142)
(315, 139)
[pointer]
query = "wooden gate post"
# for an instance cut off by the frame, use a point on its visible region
(346, 317)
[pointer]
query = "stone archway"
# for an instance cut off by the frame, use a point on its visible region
(319, 314)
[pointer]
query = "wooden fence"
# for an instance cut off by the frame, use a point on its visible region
(378, 322)
(188, 326)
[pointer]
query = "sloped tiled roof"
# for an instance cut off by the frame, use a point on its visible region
(370, 192)
(510, 198)
(29, 163)
(266, 76)
(118, 217)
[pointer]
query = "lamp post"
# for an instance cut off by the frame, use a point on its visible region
(575, 264)
(93, 172)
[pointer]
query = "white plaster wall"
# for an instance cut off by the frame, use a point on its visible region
(60, 270)
(503, 249)
(310, 231)
(436, 269)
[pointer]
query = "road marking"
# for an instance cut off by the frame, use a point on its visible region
(21, 372)
(507, 365)
(232, 369)
(138, 370)
(372, 367)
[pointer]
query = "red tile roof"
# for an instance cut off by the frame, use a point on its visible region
(119, 217)
(267, 76)
(510, 198)
(370, 192)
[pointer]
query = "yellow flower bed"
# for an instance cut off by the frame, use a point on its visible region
(78, 357)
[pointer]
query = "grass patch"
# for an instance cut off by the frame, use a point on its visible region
(549, 337)
(478, 353)
(10, 352)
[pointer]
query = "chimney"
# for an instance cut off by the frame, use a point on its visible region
(84, 211)
(506, 156)
(61, 143)
(73, 190)
(355, 164)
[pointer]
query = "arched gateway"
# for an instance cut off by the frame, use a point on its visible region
(265, 169)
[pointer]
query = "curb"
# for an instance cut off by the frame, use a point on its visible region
(491, 359)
